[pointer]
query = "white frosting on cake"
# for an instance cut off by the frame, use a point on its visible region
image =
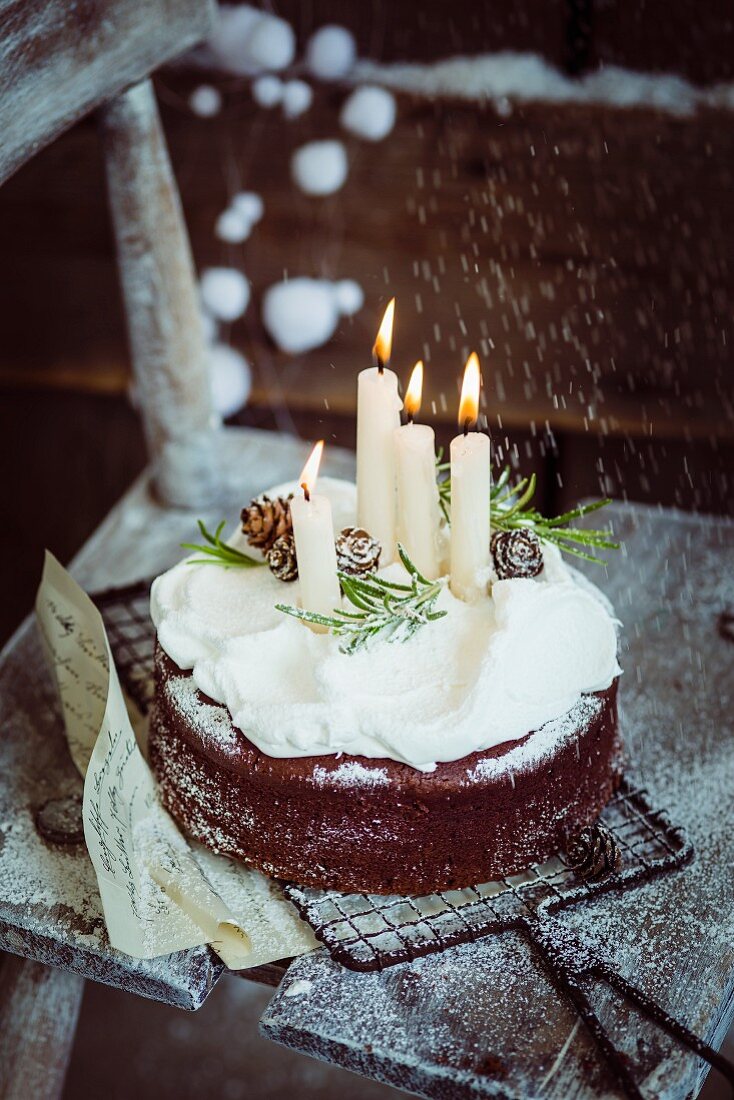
(486, 673)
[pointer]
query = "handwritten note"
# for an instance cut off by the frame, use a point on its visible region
(156, 889)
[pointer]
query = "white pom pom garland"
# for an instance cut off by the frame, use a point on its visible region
(320, 167)
(225, 292)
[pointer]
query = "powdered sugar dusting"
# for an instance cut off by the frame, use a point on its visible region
(542, 745)
(213, 722)
(212, 719)
(351, 773)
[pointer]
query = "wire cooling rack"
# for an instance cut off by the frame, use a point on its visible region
(372, 931)
(131, 634)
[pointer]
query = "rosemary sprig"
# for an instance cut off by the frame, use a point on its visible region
(443, 478)
(385, 608)
(217, 552)
(510, 507)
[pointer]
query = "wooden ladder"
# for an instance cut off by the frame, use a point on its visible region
(59, 61)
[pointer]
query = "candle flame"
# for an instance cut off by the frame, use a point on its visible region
(415, 390)
(383, 343)
(469, 404)
(310, 471)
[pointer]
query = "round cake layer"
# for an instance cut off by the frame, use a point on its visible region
(379, 826)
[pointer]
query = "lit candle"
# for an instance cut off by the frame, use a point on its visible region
(415, 461)
(313, 531)
(378, 415)
(470, 479)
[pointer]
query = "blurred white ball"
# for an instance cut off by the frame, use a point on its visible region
(267, 91)
(227, 43)
(231, 226)
(249, 204)
(230, 379)
(271, 43)
(297, 98)
(301, 314)
(320, 167)
(349, 296)
(369, 113)
(205, 101)
(225, 292)
(330, 52)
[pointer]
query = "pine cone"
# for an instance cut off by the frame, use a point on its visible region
(282, 558)
(594, 853)
(516, 553)
(357, 552)
(265, 520)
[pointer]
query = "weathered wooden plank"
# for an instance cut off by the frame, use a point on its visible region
(38, 1013)
(271, 974)
(50, 909)
(484, 1019)
(59, 59)
(161, 302)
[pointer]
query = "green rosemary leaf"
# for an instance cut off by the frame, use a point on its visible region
(218, 552)
(392, 585)
(523, 500)
(510, 507)
(443, 477)
(200, 549)
(307, 616)
(575, 513)
(353, 594)
(500, 482)
(410, 568)
(393, 612)
(576, 553)
(206, 561)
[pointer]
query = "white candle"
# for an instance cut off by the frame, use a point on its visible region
(470, 482)
(378, 415)
(313, 531)
(418, 508)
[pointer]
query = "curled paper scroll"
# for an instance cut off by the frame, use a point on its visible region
(159, 894)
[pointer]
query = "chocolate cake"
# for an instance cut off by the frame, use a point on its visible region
(378, 825)
(265, 738)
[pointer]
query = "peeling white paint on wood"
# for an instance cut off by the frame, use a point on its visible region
(161, 301)
(38, 1013)
(60, 59)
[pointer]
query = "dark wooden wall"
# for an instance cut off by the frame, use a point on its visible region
(694, 38)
